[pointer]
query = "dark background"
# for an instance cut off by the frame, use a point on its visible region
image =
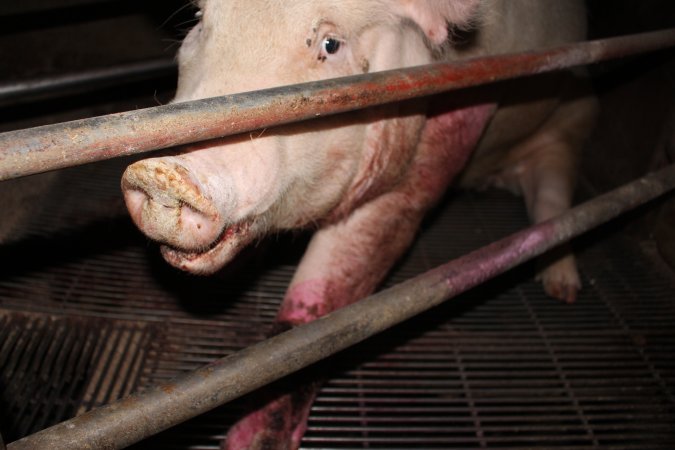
(65, 275)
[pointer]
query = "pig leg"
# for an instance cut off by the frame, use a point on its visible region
(545, 173)
(548, 193)
(347, 260)
(343, 263)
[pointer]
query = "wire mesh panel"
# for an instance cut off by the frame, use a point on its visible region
(90, 312)
(54, 367)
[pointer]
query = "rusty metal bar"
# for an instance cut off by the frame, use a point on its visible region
(50, 147)
(136, 417)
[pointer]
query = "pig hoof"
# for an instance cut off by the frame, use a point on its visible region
(279, 425)
(561, 279)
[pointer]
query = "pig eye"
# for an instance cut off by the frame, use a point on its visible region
(331, 45)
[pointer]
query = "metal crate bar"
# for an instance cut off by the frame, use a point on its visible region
(136, 417)
(59, 86)
(51, 147)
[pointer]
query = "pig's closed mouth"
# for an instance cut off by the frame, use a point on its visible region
(230, 241)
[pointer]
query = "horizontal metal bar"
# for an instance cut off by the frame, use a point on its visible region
(15, 8)
(50, 147)
(59, 86)
(138, 416)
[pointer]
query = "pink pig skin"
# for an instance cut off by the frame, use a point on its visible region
(365, 243)
(365, 179)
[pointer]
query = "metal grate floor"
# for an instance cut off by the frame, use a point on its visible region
(89, 312)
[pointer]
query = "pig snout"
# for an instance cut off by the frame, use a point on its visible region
(205, 204)
(169, 206)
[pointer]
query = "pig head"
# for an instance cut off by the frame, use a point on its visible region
(364, 179)
(214, 198)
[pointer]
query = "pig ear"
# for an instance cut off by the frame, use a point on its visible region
(433, 16)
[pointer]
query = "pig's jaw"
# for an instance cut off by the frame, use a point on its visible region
(230, 242)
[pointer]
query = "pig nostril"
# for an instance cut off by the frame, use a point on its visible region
(207, 227)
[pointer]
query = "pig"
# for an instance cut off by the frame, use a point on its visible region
(363, 180)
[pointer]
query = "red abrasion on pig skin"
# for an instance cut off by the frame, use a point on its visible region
(282, 422)
(305, 302)
(280, 425)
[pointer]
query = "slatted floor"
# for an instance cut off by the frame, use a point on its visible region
(89, 312)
